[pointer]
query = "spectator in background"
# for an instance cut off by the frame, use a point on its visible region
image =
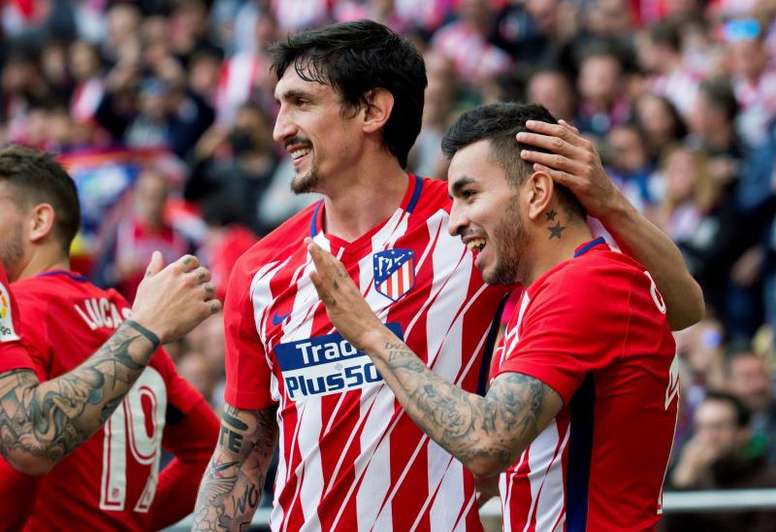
(602, 99)
(630, 166)
(660, 55)
(748, 378)
(145, 230)
(660, 123)
(551, 87)
(85, 67)
(232, 168)
(719, 456)
(754, 79)
(465, 43)
(426, 158)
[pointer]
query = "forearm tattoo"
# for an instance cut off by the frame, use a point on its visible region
(231, 487)
(52, 418)
(470, 427)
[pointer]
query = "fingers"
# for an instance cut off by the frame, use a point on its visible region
(564, 131)
(185, 264)
(568, 180)
(155, 265)
(550, 143)
(199, 276)
(553, 160)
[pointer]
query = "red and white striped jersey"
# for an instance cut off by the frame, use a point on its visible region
(593, 329)
(350, 457)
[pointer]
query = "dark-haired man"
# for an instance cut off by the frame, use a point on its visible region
(584, 384)
(41, 422)
(113, 480)
(351, 97)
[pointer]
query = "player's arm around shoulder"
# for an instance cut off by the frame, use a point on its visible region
(574, 162)
(231, 486)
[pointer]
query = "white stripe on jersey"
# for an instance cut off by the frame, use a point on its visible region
(546, 478)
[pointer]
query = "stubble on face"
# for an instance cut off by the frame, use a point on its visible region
(11, 246)
(510, 238)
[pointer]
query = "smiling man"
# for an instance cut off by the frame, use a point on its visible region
(581, 409)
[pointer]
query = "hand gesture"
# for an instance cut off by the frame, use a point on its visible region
(173, 300)
(348, 310)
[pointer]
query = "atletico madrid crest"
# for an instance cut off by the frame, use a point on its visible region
(394, 272)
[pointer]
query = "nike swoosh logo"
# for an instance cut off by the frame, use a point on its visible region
(278, 319)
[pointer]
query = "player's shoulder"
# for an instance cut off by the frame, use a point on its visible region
(277, 245)
(595, 271)
(433, 195)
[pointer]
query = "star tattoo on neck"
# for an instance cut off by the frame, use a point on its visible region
(556, 230)
(550, 215)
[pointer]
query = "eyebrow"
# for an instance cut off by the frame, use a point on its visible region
(293, 93)
(460, 183)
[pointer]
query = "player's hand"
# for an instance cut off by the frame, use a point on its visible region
(573, 162)
(173, 300)
(348, 310)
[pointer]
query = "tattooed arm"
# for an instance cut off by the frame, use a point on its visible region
(41, 422)
(486, 433)
(231, 487)
(574, 162)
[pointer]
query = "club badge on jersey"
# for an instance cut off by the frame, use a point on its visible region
(326, 364)
(394, 272)
(7, 332)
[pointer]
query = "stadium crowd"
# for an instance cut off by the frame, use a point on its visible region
(163, 110)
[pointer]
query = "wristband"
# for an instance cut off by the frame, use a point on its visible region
(148, 335)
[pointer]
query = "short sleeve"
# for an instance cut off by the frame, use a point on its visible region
(13, 354)
(33, 316)
(570, 328)
(247, 372)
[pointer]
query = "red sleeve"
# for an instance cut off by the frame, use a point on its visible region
(247, 372)
(13, 355)
(190, 433)
(17, 491)
(571, 327)
(192, 440)
(33, 317)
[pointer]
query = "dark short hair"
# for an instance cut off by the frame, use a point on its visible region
(720, 94)
(665, 33)
(499, 123)
(40, 179)
(742, 413)
(355, 58)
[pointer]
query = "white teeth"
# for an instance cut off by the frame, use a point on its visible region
(476, 244)
(299, 153)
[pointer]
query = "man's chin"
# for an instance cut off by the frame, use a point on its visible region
(302, 184)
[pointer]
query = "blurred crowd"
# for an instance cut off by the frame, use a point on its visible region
(163, 111)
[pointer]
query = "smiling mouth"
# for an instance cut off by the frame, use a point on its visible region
(298, 153)
(476, 244)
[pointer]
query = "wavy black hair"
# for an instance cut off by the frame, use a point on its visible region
(355, 58)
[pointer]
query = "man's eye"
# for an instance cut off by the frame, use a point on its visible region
(467, 194)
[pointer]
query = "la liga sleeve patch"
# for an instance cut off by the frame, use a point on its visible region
(7, 331)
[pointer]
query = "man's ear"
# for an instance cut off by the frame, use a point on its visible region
(539, 189)
(379, 104)
(41, 222)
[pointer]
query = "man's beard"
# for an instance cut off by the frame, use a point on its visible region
(510, 239)
(12, 248)
(302, 183)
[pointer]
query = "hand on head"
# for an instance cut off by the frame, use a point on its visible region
(572, 162)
